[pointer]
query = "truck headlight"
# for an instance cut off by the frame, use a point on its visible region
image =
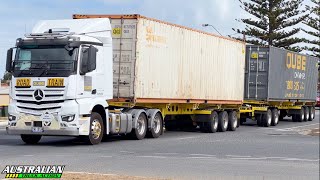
(11, 118)
(68, 118)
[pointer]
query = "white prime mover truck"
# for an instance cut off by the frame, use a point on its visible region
(122, 74)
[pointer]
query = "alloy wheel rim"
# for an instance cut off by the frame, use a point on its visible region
(96, 129)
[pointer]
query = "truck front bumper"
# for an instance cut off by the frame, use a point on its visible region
(61, 132)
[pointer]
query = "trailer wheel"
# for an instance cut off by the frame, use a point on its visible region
(267, 118)
(294, 118)
(300, 116)
(233, 121)
(30, 139)
(212, 125)
(312, 112)
(306, 113)
(283, 114)
(275, 117)
(96, 129)
(141, 130)
(156, 126)
(258, 118)
(223, 121)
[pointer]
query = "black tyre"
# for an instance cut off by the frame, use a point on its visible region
(258, 118)
(267, 118)
(283, 114)
(233, 121)
(243, 120)
(294, 118)
(203, 126)
(275, 117)
(96, 129)
(312, 113)
(156, 126)
(300, 115)
(306, 113)
(212, 125)
(30, 139)
(223, 121)
(141, 130)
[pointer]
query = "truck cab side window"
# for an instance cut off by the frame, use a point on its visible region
(88, 59)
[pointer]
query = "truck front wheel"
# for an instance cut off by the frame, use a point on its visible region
(96, 129)
(30, 139)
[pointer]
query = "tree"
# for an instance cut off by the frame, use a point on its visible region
(274, 22)
(7, 76)
(313, 21)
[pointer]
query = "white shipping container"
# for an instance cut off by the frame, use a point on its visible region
(159, 62)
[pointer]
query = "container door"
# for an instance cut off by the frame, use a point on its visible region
(256, 76)
(124, 47)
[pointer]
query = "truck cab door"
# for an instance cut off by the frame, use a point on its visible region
(87, 71)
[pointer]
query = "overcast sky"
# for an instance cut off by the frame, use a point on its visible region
(18, 16)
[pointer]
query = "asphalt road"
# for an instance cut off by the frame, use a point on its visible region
(281, 152)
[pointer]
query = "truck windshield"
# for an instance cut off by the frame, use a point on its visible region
(46, 60)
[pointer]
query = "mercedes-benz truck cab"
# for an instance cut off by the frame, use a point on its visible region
(62, 77)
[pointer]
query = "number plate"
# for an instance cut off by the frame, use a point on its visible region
(23, 82)
(37, 129)
(38, 83)
(55, 82)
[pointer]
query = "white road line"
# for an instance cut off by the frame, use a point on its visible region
(186, 138)
(238, 156)
(166, 153)
(28, 155)
(298, 159)
(208, 155)
(250, 158)
(126, 152)
(106, 156)
(157, 157)
(201, 157)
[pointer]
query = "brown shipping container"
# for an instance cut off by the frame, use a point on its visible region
(160, 62)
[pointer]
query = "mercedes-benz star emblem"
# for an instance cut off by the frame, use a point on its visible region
(38, 94)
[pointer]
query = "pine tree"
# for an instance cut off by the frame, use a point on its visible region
(274, 22)
(313, 21)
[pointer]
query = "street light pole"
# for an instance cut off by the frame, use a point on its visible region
(206, 25)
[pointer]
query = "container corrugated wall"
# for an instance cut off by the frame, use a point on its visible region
(179, 63)
(163, 62)
(281, 75)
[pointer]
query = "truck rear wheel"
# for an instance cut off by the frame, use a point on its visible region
(258, 118)
(267, 118)
(30, 139)
(233, 121)
(312, 112)
(223, 121)
(306, 113)
(212, 125)
(275, 117)
(156, 126)
(96, 129)
(140, 131)
(300, 116)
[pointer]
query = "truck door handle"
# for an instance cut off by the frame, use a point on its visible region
(94, 91)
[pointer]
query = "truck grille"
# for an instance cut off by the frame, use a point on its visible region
(51, 102)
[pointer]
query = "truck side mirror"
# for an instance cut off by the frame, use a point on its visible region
(9, 60)
(88, 59)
